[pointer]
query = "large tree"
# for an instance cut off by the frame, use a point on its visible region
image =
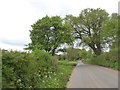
(88, 26)
(49, 33)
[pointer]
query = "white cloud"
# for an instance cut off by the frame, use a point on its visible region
(63, 7)
(16, 16)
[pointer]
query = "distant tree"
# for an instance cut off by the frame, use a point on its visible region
(49, 33)
(85, 54)
(88, 26)
(72, 54)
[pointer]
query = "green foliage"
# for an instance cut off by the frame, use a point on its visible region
(64, 71)
(25, 70)
(87, 61)
(85, 54)
(95, 28)
(15, 69)
(33, 70)
(67, 62)
(107, 59)
(42, 55)
(109, 33)
(40, 69)
(62, 57)
(72, 54)
(48, 33)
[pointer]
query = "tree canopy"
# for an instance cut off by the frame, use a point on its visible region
(92, 27)
(49, 33)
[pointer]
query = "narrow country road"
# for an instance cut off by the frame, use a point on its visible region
(93, 76)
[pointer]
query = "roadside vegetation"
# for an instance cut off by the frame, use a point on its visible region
(27, 70)
(42, 67)
(106, 59)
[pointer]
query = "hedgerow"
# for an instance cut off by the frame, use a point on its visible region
(107, 59)
(34, 70)
(25, 70)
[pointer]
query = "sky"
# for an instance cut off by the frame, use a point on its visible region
(17, 16)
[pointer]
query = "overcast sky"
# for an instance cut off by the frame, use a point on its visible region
(16, 16)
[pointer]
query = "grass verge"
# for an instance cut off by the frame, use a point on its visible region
(60, 78)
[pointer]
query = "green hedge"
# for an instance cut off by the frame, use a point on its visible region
(33, 70)
(107, 59)
(25, 70)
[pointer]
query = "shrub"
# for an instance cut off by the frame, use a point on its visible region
(72, 54)
(62, 57)
(109, 59)
(33, 70)
(25, 70)
(18, 69)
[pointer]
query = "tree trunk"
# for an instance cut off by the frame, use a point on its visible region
(53, 51)
(97, 49)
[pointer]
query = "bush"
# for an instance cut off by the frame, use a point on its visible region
(34, 70)
(25, 70)
(72, 54)
(108, 59)
(18, 69)
(43, 59)
(62, 57)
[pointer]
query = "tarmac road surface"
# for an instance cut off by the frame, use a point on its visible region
(93, 76)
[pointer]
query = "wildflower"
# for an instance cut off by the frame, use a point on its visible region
(62, 73)
(19, 80)
(45, 76)
(30, 86)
